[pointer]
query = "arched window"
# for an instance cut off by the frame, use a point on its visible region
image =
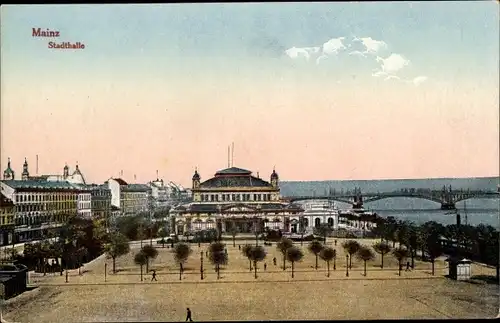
(306, 222)
(317, 222)
(330, 222)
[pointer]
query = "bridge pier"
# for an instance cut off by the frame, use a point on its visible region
(448, 206)
(357, 206)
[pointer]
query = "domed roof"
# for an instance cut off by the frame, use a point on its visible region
(196, 176)
(8, 170)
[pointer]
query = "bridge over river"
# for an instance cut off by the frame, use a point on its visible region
(447, 197)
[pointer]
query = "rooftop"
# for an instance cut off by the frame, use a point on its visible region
(39, 184)
(120, 181)
(233, 171)
(235, 181)
(136, 188)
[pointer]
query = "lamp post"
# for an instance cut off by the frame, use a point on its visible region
(201, 264)
(347, 265)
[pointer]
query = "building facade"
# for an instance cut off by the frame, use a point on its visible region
(160, 195)
(100, 202)
(7, 223)
(234, 199)
(39, 205)
(130, 199)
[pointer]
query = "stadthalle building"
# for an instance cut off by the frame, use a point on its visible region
(236, 198)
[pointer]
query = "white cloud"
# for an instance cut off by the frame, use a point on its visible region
(389, 67)
(357, 53)
(419, 80)
(296, 52)
(392, 77)
(319, 59)
(372, 46)
(393, 63)
(333, 46)
(378, 73)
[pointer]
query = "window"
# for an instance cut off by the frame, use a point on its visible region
(317, 222)
(330, 222)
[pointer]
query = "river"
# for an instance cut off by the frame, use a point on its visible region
(486, 211)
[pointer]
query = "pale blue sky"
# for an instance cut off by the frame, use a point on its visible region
(429, 33)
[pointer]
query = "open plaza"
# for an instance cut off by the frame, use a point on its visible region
(238, 295)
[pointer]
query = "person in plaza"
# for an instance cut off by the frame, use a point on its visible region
(407, 266)
(335, 242)
(274, 261)
(265, 266)
(153, 275)
(188, 316)
(239, 247)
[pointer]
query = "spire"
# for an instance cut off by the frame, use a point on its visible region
(8, 162)
(25, 174)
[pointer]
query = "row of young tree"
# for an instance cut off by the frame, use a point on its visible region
(80, 240)
(75, 243)
(431, 240)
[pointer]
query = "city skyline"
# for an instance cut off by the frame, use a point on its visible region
(320, 91)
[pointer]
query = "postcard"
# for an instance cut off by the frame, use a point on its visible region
(249, 161)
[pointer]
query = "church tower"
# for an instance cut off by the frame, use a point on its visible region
(274, 179)
(66, 171)
(8, 174)
(25, 175)
(196, 180)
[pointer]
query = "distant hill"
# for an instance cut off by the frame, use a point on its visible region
(297, 188)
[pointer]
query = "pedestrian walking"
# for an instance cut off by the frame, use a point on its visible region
(188, 316)
(274, 261)
(407, 266)
(239, 247)
(265, 266)
(153, 275)
(335, 242)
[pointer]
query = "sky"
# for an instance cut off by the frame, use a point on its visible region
(320, 91)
